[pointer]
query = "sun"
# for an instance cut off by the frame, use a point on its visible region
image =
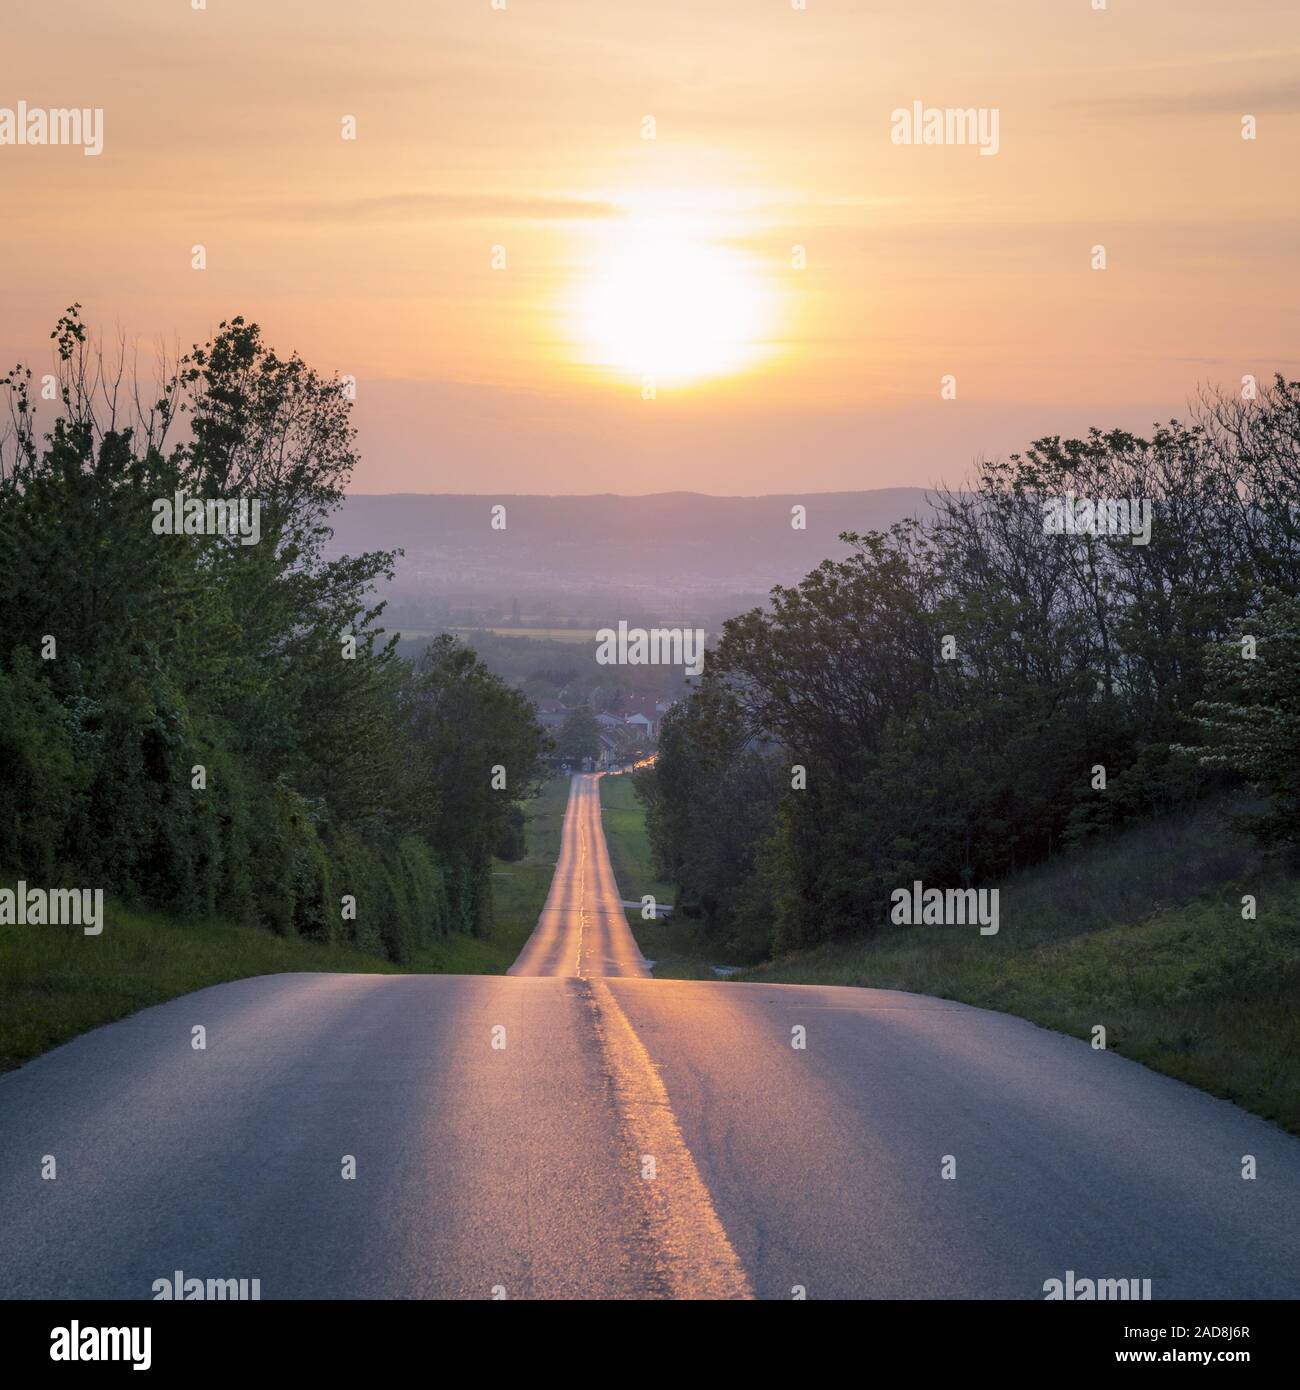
(673, 310)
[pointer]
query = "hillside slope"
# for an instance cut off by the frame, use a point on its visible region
(1141, 934)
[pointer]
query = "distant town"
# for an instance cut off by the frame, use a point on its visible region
(615, 730)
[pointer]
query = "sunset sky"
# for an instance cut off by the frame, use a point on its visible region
(674, 257)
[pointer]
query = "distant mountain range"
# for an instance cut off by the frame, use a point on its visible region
(668, 547)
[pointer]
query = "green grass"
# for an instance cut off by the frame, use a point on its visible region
(536, 634)
(519, 890)
(622, 815)
(1142, 934)
(677, 947)
(56, 983)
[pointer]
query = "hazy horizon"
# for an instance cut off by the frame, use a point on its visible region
(663, 492)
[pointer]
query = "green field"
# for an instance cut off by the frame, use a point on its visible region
(676, 947)
(537, 634)
(56, 982)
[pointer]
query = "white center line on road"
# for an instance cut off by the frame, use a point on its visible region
(584, 929)
(698, 1259)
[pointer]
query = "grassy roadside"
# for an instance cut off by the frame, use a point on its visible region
(1143, 935)
(56, 983)
(677, 947)
(519, 890)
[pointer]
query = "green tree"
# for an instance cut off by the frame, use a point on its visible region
(1251, 723)
(215, 726)
(579, 736)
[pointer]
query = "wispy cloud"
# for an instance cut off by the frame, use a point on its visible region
(1278, 96)
(425, 207)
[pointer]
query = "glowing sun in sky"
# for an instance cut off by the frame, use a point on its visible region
(671, 308)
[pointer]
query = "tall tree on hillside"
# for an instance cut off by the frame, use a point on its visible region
(477, 749)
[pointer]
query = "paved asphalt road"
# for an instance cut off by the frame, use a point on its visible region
(579, 1130)
(583, 929)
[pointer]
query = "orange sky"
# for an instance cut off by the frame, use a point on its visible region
(523, 129)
